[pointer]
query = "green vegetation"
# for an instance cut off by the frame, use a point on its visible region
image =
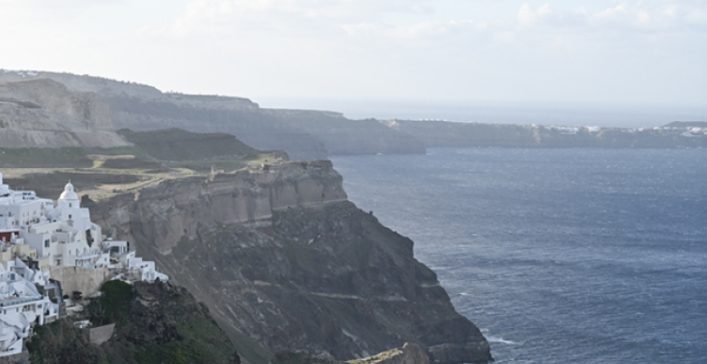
(154, 157)
(60, 342)
(196, 346)
(180, 145)
(156, 323)
(44, 157)
(151, 149)
(113, 305)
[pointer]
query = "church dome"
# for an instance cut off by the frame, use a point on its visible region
(69, 193)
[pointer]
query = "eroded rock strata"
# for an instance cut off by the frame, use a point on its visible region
(284, 261)
(303, 134)
(44, 113)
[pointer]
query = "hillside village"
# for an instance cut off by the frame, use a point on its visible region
(45, 246)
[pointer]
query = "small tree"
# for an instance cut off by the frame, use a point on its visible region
(113, 305)
(76, 296)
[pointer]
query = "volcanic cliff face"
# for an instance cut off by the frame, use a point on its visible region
(285, 262)
(44, 113)
(163, 214)
(303, 134)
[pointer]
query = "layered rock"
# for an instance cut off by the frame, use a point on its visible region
(44, 113)
(164, 213)
(303, 134)
(284, 261)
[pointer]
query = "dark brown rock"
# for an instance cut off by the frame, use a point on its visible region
(315, 274)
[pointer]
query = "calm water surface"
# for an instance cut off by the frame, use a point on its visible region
(558, 255)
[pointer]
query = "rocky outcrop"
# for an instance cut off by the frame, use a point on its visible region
(283, 261)
(45, 114)
(408, 354)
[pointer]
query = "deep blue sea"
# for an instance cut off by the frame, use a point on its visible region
(557, 255)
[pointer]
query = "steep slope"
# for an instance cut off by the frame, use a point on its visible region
(44, 113)
(285, 262)
(161, 323)
(303, 134)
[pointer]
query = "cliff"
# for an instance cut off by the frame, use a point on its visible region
(164, 213)
(44, 113)
(462, 135)
(303, 134)
(284, 261)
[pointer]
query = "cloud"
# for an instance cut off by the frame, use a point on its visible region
(527, 15)
(398, 19)
(286, 44)
(287, 15)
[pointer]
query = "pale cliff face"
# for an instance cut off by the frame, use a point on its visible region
(303, 134)
(164, 213)
(43, 113)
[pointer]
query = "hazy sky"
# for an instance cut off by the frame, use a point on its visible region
(645, 52)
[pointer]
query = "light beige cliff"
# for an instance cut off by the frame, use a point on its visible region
(166, 212)
(45, 114)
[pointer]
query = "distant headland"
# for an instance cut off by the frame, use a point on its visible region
(62, 110)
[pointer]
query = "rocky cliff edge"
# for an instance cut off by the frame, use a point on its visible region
(285, 262)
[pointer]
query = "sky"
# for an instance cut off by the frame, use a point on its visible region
(342, 53)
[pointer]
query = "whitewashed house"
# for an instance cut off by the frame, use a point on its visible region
(21, 305)
(37, 236)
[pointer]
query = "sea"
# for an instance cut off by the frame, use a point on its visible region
(557, 255)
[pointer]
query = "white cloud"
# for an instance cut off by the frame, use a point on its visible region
(349, 47)
(527, 15)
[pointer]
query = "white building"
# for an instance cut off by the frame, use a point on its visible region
(21, 305)
(36, 236)
(62, 233)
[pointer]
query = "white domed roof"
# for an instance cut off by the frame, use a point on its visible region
(69, 193)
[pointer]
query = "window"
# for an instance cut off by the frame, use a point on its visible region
(69, 207)
(46, 243)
